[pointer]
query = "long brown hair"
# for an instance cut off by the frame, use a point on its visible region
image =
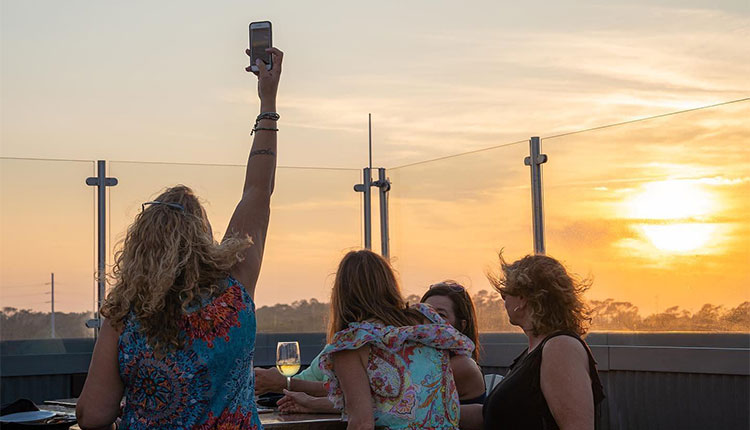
(463, 307)
(366, 289)
(554, 296)
(168, 262)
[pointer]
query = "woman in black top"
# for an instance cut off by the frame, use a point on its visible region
(554, 383)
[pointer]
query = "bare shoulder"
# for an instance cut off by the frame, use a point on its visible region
(564, 348)
(468, 372)
(463, 365)
(360, 354)
(108, 331)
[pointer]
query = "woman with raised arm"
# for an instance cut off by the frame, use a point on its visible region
(554, 383)
(388, 364)
(179, 337)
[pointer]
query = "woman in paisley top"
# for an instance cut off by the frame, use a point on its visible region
(179, 337)
(388, 364)
(451, 301)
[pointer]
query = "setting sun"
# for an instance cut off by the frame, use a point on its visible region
(679, 237)
(681, 208)
(671, 200)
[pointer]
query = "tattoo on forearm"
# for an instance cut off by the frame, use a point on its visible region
(262, 152)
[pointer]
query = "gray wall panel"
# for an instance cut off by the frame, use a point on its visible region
(652, 400)
(721, 361)
(652, 381)
(35, 388)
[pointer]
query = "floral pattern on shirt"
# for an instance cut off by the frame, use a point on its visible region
(214, 320)
(207, 384)
(173, 390)
(230, 421)
(411, 381)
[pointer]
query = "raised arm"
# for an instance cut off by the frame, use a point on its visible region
(252, 214)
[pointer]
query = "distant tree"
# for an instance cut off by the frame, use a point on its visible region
(737, 319)
(18, 324)
(311, 316)
(301, 316)
(491, 314)
(612, 315)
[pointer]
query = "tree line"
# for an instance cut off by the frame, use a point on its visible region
(311, 316)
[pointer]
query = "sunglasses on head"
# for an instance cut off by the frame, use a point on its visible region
(453, 287)
(156, 202)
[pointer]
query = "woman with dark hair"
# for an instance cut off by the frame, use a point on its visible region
(554, 383)
(452, 302)
(179, 337)
(388, 363)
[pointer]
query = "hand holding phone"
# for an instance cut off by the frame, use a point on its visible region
(268, 78)
(260, 42)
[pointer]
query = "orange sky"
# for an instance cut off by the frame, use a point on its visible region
(654, 211)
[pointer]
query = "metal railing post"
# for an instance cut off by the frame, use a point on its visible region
(384, 184)
(535, 161)
(101, 181)
(364, 188)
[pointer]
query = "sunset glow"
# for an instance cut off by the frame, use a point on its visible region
(679, 238)
(673, 211)
(656, 202)
(671, 200)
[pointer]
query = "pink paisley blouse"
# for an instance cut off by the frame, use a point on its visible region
(411, 381)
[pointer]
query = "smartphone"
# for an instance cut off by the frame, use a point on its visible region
(260, 40)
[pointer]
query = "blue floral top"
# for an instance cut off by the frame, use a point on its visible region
(411, 381)
(208, 384)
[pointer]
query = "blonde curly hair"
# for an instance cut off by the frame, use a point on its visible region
(554, 297)
(168, 262)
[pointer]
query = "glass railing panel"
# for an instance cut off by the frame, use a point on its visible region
(656, 213)
(450, 218)
(315, 219)
(47, 230)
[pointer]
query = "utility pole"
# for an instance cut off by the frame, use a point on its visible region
(52, 301)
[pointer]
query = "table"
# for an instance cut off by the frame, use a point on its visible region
(276, 420)
(272, 420)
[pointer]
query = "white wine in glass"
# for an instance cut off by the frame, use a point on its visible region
(288, 359)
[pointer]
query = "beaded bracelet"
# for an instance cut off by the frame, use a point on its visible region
(273, 116)
(263, 128)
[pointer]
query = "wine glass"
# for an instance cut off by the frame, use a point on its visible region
(288, 360)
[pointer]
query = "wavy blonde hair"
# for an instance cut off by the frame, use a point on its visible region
(168, 262)
(554, 296)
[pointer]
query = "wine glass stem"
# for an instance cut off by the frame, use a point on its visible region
(289, 383)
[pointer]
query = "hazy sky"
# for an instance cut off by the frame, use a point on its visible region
(164, 81)
(145, 80)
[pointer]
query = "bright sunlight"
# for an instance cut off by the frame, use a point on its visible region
(679, 238)
(671, 200)
(681, 208)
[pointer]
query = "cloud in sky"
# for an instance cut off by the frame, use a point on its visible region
(111, 81)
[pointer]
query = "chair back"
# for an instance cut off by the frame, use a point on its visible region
(491, 380)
